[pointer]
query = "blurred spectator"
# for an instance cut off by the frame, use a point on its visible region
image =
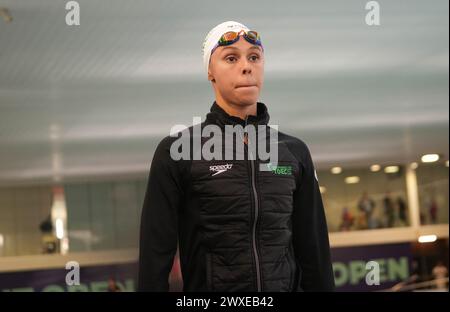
(402, 209)
(389, 211)
(347, 220)
(423, 218)
(366, 205)
(49, 240)
(440, 272)
(433, 211)
(112, 285)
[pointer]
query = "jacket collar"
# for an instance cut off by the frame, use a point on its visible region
(218, 116)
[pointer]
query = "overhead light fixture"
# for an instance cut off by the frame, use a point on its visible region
(336, 170)
(428, 158)
(391, 169)
(427, 238)
(352, 180)
(323, 189)
(446, 163)
(414, 165)
(375, 168)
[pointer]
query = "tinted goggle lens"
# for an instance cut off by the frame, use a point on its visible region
(252, 36)
(232, 36)
(228, 38)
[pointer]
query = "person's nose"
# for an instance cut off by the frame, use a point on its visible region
(246, 67)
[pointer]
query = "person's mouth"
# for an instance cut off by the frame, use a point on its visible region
(245, 86)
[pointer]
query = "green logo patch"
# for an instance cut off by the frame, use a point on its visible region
(280, 170)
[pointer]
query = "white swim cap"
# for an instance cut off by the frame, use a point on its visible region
(214, 35)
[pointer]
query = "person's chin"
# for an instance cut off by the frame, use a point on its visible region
(247, 99)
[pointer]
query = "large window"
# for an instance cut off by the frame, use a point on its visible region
(432, 180)
(102, 215)
(105, 215)
(359, 199)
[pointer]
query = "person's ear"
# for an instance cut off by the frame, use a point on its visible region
(211, 77)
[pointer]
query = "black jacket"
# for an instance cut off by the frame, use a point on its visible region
(237, 228)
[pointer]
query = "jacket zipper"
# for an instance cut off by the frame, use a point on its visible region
(255, 250)
(291, 271)
(208, 272)
(255, 221)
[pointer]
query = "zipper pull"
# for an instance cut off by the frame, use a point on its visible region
(245, 130)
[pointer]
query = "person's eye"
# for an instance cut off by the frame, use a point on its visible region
(254, 57)
(230, 59)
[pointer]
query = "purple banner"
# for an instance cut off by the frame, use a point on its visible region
(353, 270)
(102, 278)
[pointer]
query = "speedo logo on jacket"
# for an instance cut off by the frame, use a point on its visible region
(217, 169)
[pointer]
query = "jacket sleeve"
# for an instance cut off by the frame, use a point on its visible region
(159, 220)
(310, 233)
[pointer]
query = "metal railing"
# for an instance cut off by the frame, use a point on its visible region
(439, 284)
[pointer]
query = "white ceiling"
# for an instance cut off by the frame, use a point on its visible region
(94, 100)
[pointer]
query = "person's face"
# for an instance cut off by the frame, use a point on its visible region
(238, 71)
